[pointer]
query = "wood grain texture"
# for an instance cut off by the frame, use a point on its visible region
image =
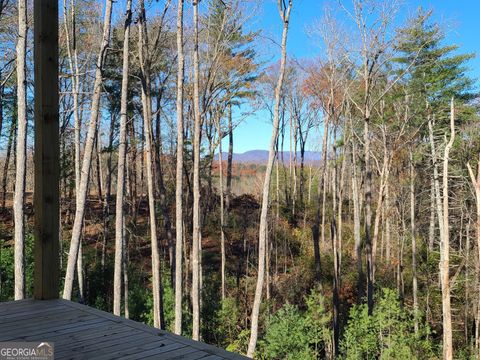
(81, 332)
(47, 151)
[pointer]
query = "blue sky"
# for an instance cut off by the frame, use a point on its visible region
(460, 19)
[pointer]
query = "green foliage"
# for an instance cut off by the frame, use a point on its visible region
(228, 319)
(387, 334)
(147, 315)
(295, 334)
(141, 299)
(7, 269)
(317, 322)
(169, 305)
(436, 73)
(240, 344)
(286, 336)
(98, 292)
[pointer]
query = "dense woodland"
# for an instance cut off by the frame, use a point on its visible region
(371, 253)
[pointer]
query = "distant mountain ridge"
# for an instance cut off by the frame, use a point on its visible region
(261, 157)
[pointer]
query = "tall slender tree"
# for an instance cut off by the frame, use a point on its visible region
(284, 10)
(475, 179)
(196, 243)
(87, 157)
(72, 55)
(122, 151)
(445, 248)
(21, 151)
(413, 234)
(179, 173)
(145, 61)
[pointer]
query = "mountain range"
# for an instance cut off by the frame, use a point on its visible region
(261, 157)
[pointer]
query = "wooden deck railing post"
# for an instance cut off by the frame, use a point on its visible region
(47, 162)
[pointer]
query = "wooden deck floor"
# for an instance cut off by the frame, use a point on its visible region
(81, 332)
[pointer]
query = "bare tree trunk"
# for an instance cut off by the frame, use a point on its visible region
(356, 224)
(476, 185)
(21, 151)
(436, 181)
(108, 180)
(277, 189)
(286, 189)
(133, 182)
(80, 276)
(11, 136)
(319, 227)
(179, 174)
(414, 242)
(267, 261)
(122, 151)
(376, 223)
(87, 158)
(334, 234)
(384, 178)
(125, 261)
(98, 153)
(477, 313)
(196, 243)
(388, 241)
(368, 212)
(431, 227)
(222, 211)
(445, 250)
(301, 186)
(158, 319)
(107, 186)
(324, 175)
(285, 16)
(71, 46)
(228, 193)
(467, 288)
(294, 162)
(340, 210)
(401, 245)
(310, 178)
(100, 192)
(290, 167)
(162, 195)
(73, 64)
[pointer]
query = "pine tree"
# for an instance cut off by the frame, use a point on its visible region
(435, 72)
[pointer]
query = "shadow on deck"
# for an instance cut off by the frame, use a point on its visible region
(81, 332)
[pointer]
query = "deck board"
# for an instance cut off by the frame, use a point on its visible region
(164, 352)
(81, 332)
(135, 351)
